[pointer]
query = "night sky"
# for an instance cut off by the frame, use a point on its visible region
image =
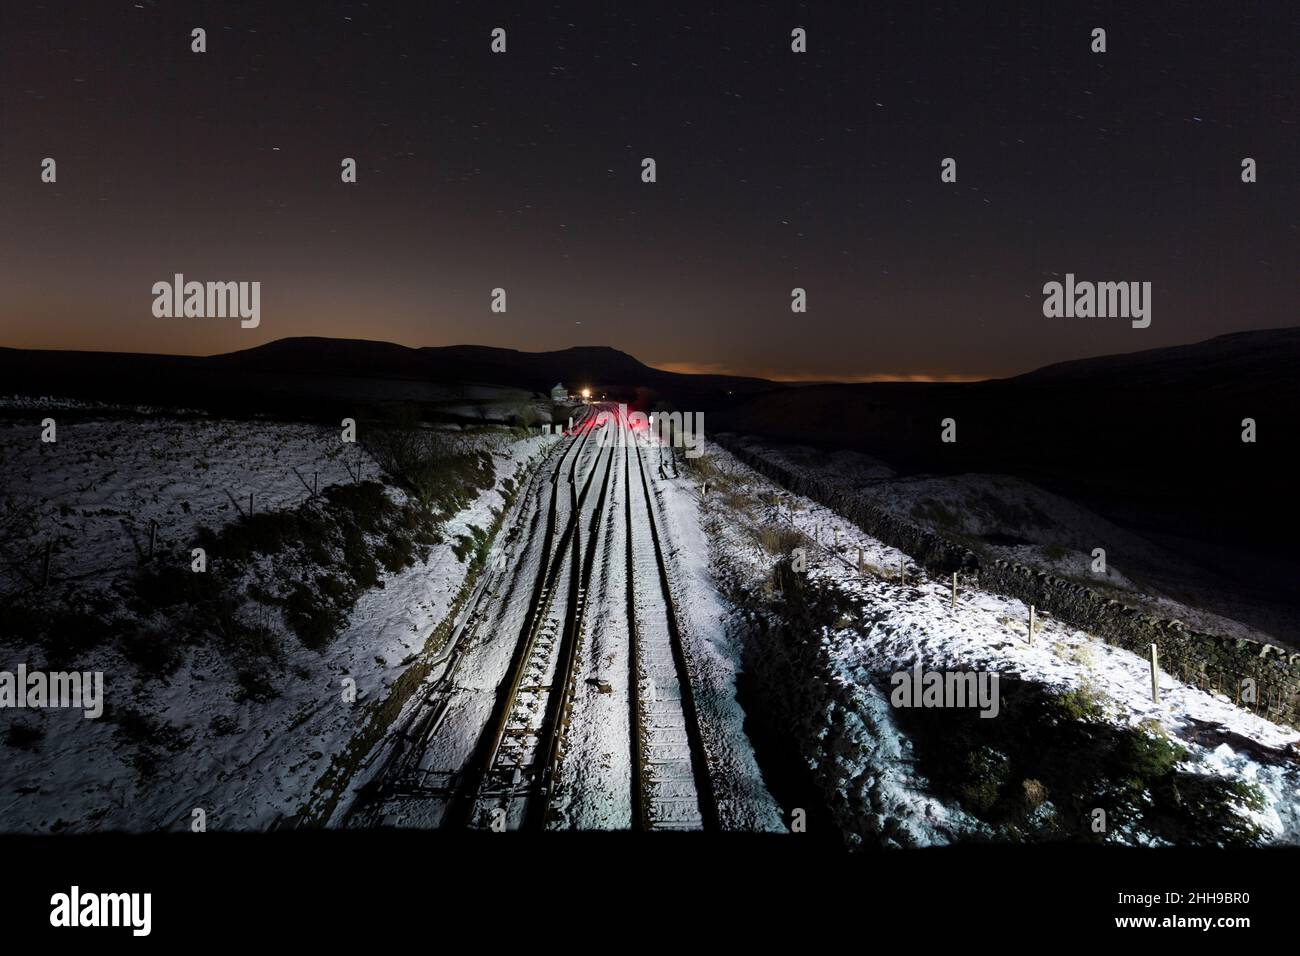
(775, 170)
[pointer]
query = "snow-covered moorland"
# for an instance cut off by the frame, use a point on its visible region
(228, 691)
(1076, 733)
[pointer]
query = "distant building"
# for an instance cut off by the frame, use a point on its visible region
(559, 393)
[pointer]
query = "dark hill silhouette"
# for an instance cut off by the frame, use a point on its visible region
(295, 374)
(324, 356)
(1251, 360)
(598, 366)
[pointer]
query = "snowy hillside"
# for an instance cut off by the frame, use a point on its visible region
(828, 641)
(228, 691)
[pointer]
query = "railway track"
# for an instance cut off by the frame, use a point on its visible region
(510, 779)
(486, 749)
(402, 774)
(672, 784)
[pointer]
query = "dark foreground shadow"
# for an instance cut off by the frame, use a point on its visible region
(595, 889)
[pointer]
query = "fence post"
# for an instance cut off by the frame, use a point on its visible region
(1155, 675)
(250, 504)
(954, 590)
(1031, 625)
(862, 567)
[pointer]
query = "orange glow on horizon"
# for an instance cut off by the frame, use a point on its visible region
(713, 368)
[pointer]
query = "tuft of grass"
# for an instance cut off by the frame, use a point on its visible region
(473, 544)
(736, 499)
(703, 468)
(1146, 756)
(777, 539)
(150, 736)
(255, 685)
(312, 615)
(254, 642)
(152, 650)
(425, 463)
(224, 725)
(981, 779)
(1081, 703)
(395, 553)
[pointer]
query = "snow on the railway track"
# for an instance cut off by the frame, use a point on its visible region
(594, 782)
(678, 794)
(744, 802)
